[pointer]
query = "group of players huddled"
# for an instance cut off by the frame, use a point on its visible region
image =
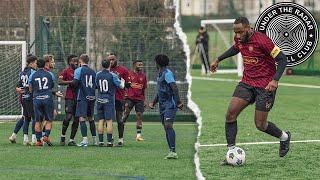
(118, 91)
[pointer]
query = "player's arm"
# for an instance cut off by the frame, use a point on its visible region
(19, 88)
(169, 78)
(30, 81)
(119, 83)
(230, 52)
(55, 92)
(154, 102)
(61, 79)
(76, 79)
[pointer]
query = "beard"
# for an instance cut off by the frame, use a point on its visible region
(245, 38)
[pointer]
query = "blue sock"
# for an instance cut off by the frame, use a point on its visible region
(109, 138)
(167, 138)
(93, 128)
(33, 125)
(26, 125)
(172, 139)
(83, 128)
(47, 132)
(38, 135)
(18, 126)
(101, 138)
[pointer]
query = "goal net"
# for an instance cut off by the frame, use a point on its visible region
(13, 59)
(221, 38)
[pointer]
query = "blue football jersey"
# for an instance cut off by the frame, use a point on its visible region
(86, 77)
(24, 82)
(165, 93)
(42, 83)
(106, 83)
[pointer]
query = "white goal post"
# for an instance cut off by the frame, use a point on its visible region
(13, 59)
(227, 43)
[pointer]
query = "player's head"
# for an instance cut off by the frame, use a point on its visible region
(73, 61)
(241, 27)
(105, 63)
(161, 60)
(84, 59)
(41, 63)
(138, 65)
(32, 61)
(202, 30)
(49, 60)
(112, 57)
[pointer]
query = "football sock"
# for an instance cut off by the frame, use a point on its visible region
(172, 139)
(85, 139)
(273, 130)
(231, 129)
(120, 129)
(284, 136)
(93, 128)
(26, 125)
(65, 123)
(83, 128)
(33, 125)
(139, 131)
(18, 126)
(47, 133)
(101, 138)
(109, 137)
(167, 138)
(25, 138)
(63, 138)
(38, 135)
(74, 128)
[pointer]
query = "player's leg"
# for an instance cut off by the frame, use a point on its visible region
(139, 107)
(119, 106)
(81, 112)
(109, 114)
(169, 118)
(38, 111)
(92, 124)
(264, 103)
(128, 105)
(26, 130)
(49, 116)
(101, 125)
(34, 138)
(66, 121)
(109, 133)
(16, 129)
(75, 125)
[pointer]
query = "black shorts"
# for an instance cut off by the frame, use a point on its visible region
(138, 105)
(119, 105)
(27, 106)
(70, 106)
(264, 100)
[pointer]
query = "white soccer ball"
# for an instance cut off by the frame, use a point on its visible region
(236, 156)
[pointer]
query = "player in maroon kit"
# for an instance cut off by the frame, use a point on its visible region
(136, 95)
(259, 82)
(66, 78)
(122, 72)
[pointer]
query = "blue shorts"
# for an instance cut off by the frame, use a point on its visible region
(106, 111)
(43, 109)
(168, 115)
(85, 108)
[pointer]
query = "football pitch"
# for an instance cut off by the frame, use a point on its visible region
(136, 160)
(296, 109)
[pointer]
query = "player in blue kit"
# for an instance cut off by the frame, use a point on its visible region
(84, 80)
(41, 84)
(169, 102)
(106, 83)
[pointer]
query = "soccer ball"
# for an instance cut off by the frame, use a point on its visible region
(236, 156)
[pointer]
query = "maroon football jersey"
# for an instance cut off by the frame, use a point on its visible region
(67, 75)
(138, 85)
(122, 72)
(258, 59)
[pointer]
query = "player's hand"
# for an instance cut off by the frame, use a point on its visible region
(214, 66)
(60, 77)
(180, 105)
(55, 113)
(145, 104)
(59, 94)
(152, 105)
(272, 86)
(19, 90)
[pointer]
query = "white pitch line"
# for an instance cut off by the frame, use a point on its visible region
(236, 80)
(256, 143)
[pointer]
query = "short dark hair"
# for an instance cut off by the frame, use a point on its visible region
(70, 57)
(41, 63)
(201, 28)
(112, 53)
(243, 20)
(31, 59)
(84, 58)
(162, 60)
(135, 61)
(105, 63)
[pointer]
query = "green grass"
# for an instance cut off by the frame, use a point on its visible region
(296, 109)
(136, 160)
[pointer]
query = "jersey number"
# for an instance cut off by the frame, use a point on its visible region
(103, 85)
(89, 81)
(24, 79)
(45, 83)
